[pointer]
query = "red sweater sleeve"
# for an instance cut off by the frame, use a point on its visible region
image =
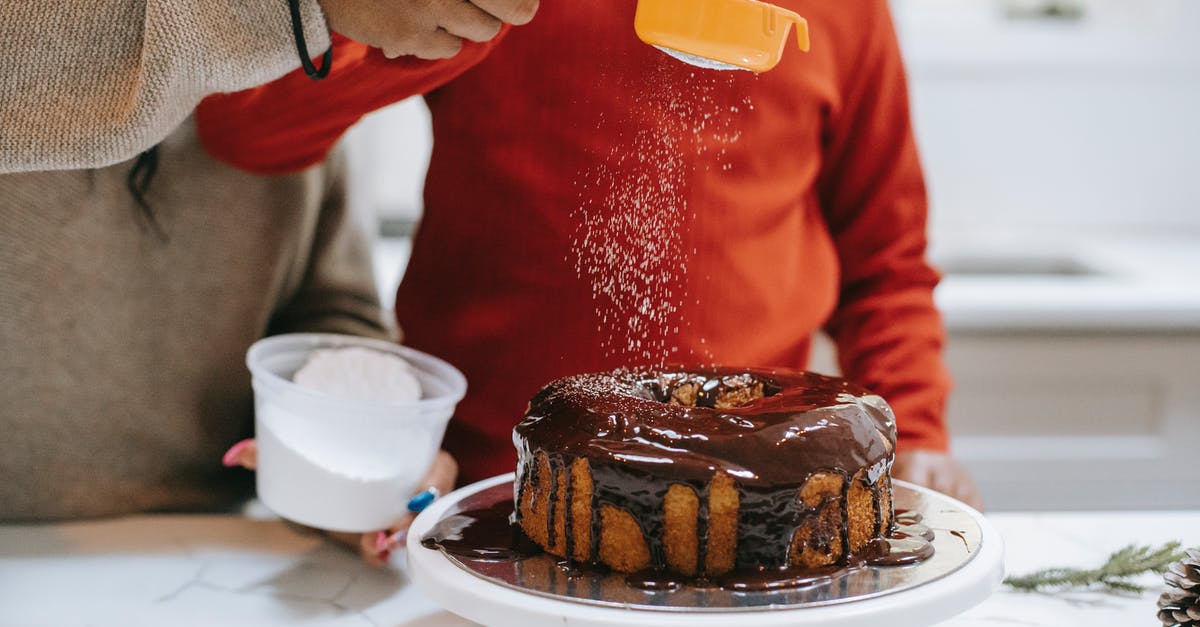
(886, 326)
(293, 123)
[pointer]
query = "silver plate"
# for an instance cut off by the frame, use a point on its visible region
(957, 538)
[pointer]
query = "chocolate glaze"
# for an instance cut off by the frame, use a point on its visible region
(900, 549)
(491, 534)
(636, 444)
(811, 423)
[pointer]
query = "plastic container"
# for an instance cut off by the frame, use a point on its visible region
(344, 464)
(720, 34)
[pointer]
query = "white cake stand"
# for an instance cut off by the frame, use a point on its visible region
(976, 569)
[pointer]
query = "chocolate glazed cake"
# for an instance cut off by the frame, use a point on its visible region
(705, 472)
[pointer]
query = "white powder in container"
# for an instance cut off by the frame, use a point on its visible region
(321, 467)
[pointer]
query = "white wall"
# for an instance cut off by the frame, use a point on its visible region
(1036, 122)
(388, 153)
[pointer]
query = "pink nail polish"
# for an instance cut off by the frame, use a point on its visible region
(231, 456)
(397, 539)
(381, 542)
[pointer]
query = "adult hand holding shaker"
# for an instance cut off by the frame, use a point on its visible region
(431, 29)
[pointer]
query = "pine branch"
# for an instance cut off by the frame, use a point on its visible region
(1128, 562)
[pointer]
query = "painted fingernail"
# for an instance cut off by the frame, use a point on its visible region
(422, 500)
(385, 556)
(397, 539)
(232, 457)
(381, 542)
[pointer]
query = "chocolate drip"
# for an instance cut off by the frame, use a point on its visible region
(877, 507)
(568, 511)
(898, 551)
(766, 521)
(845, 518)
(594, 550)
(655, 580)
(914, 530)
(702, 529)
(487, 534)
(552, 500)
(626, 489)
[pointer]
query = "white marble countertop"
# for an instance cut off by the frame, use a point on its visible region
(1086, 280)
(229, 570)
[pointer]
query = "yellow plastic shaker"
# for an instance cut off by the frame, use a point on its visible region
(720, 34)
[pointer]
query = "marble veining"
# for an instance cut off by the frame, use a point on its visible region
(232, 570)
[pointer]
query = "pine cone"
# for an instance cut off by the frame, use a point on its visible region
(1179, 606)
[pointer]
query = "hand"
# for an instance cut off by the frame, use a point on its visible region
(938, 471)
(429, 29)
(376, 546)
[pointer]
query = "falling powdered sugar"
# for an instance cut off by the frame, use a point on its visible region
(630, 244)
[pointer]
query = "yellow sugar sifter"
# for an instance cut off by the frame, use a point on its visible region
(720, 34)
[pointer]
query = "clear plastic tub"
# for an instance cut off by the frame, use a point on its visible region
(344, 464)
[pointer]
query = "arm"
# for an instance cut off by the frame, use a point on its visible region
(92, 84)
(888, 331)
(293, 123)
(337, 292)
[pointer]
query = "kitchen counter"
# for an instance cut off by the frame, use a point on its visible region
(1069, 282)
(232, 570)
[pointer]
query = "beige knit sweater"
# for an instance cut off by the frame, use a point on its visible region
(91, 83)
(122, 374)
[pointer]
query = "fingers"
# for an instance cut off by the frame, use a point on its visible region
(443, 473)
(374, 548)
(377, 548)
(515, 12)
(939, 471)
(468, 21)
(429, 29)
(382, 543)
(437, 44)
(244, 454)
(964, 490)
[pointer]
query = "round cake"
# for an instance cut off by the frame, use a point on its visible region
(705, 471)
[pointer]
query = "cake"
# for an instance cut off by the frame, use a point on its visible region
(705, 471)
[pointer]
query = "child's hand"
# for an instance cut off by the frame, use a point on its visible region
(938, 471)
(377, 546)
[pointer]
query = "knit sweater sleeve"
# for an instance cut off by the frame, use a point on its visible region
(886, 326)
(336, 292)
(88, 84)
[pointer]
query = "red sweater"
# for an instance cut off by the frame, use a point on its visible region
(586, 191)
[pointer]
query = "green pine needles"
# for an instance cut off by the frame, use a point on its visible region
(1112, 576)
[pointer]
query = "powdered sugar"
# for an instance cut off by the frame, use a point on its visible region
(360, 374)
(632, 241)
(334, 484)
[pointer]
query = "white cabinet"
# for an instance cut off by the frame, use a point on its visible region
(1060, 421)
(1068, 119)
(1083, 421)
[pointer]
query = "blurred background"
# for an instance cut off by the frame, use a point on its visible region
(1061, 141)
